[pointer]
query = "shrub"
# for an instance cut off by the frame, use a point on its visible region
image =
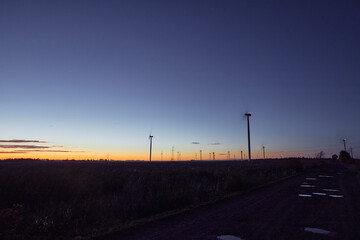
(345, 157)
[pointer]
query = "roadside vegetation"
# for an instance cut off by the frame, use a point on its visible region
(351, 163)
(65, 199)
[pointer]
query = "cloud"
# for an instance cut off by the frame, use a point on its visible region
(60, 151)
(23, 146)
(44, 151)
(1, 152)
(216, 143)
(19, 148)
(21, 141)
(195, 143)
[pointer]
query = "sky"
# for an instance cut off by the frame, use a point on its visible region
(92, 79)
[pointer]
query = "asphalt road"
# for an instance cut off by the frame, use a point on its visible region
(328, 209)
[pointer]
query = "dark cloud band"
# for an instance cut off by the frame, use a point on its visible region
(24, 146)
(43, 151)
(21, 141)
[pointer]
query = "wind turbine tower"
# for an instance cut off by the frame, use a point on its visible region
(264, 152)
(248, 115)
(150, 137)
(344, 144)
(172, 153)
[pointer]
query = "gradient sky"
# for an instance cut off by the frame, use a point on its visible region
(91, 78)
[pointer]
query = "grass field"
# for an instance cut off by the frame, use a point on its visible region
(64, 199)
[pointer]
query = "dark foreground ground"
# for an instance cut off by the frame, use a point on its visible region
(82, 199)
(275, 212)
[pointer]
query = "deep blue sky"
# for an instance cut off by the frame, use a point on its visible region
(95, 77)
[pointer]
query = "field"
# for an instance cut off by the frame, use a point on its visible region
(66, 199)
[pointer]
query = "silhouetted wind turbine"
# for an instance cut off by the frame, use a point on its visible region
(172, 153)
(150, 137)
(264, 151)
(248, 115)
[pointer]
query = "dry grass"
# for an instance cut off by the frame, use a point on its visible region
(56, 200)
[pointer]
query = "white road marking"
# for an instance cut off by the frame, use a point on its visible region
(304, 195)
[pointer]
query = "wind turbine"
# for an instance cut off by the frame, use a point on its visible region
(150, 137)
(264, 152)
(248, 115)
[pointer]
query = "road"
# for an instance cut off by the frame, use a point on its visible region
(328, 207)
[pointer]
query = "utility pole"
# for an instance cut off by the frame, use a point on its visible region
(200, 155)
(241, 155)
(264, 151)
(344, 144)
(213, 155)
(248, 115)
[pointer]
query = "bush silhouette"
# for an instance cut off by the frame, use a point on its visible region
(345, 157)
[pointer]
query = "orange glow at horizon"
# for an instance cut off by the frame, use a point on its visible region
(143, 155)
